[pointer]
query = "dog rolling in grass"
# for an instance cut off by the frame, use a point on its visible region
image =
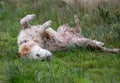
(39, 41)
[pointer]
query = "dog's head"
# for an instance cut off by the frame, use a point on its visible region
(30, 49)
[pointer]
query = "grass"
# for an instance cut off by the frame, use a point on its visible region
(77, 65)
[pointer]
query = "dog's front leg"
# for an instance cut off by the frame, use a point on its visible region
(25, 20)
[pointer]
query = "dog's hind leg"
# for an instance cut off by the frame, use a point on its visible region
(25, 20)
(77, 22)
(56, 41)
(55, 35)
(95, 45)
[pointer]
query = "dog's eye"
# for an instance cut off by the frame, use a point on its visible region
(25, 41)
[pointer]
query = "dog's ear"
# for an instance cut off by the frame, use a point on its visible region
(24, 50)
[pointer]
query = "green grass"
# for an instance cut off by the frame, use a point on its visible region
(77, 65)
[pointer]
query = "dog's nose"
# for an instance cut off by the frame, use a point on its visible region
(48, 57)
(38, 55)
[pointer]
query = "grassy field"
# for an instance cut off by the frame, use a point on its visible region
(77, 65)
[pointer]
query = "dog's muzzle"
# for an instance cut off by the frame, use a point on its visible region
(39, 53)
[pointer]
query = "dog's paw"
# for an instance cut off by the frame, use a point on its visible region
(30, 16)
(27, 18)
(47, 24)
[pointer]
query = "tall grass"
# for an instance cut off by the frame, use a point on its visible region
(77, 65)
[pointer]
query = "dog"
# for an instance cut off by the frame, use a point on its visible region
(39, 41)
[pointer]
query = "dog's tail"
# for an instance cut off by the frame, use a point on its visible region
(25, 20)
